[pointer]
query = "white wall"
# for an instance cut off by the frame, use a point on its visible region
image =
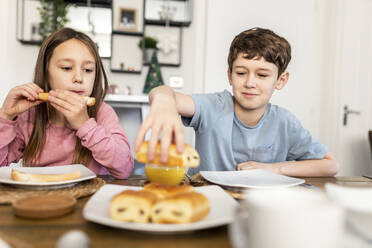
(17, 60)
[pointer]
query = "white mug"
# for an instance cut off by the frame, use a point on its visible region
(287, 218)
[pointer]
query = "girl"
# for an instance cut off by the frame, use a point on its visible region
(64, 130)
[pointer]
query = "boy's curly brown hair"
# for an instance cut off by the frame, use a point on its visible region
(260, 42)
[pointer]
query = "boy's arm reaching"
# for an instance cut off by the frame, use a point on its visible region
(327, 166)
(166, 106)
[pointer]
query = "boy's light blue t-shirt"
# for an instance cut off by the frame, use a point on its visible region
(223, 141)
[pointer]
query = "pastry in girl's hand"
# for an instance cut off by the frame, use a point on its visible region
(90, 101)
(30, 177)
(132, 206)
(180, 208)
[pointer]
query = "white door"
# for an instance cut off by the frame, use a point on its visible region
(355, 86)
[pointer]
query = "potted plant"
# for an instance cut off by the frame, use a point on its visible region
(148, 45)
(53, 15)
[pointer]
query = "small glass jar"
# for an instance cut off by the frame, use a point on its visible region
(170, 175)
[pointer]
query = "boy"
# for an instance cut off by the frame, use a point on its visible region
(243, 131)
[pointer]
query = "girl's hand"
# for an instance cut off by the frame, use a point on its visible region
(256, 165)
(163, 118)
(20, 99)
(71, 105)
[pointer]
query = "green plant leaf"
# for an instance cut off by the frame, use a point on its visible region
(53, 15)
(149, 42)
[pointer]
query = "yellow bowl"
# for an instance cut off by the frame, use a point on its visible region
(165, 174)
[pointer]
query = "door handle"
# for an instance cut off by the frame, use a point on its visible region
(348, 111)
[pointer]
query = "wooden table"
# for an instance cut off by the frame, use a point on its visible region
(45, 233)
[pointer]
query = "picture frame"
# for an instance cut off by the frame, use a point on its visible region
(128, 16)
(127, 19)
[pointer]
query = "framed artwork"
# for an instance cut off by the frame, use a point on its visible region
(128, 16)
(127, 19)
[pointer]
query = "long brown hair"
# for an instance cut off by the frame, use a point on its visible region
(43, 112)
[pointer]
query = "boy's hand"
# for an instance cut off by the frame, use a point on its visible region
(20, 99)
(163, 119)
(71, 105)
(256, 165)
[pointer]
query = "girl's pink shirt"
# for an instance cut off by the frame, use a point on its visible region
(104, 137)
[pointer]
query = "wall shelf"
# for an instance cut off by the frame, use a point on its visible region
(125, 71)
(94, 3)
(30, 42)
(172, 23)
(119, 39)
(127, 33)
(164, 64)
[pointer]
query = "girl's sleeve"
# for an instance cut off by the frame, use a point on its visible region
(106, 140)
(11, 142)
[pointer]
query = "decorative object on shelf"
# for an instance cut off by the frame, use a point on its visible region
(125, 50)
(167, 12)
(91, 24)
(127, 90)
(93, 20)
(113, 89)
(177, 13)
(127, 19)
(169, 45)
(53, 16)
(35, 32)
(148, 44)
(121, 65)
(154, 77)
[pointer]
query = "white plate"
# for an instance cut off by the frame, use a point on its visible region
(5, 174)
(250, 179)
(221, 213)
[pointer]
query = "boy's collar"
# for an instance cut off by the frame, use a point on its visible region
(259, 123)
